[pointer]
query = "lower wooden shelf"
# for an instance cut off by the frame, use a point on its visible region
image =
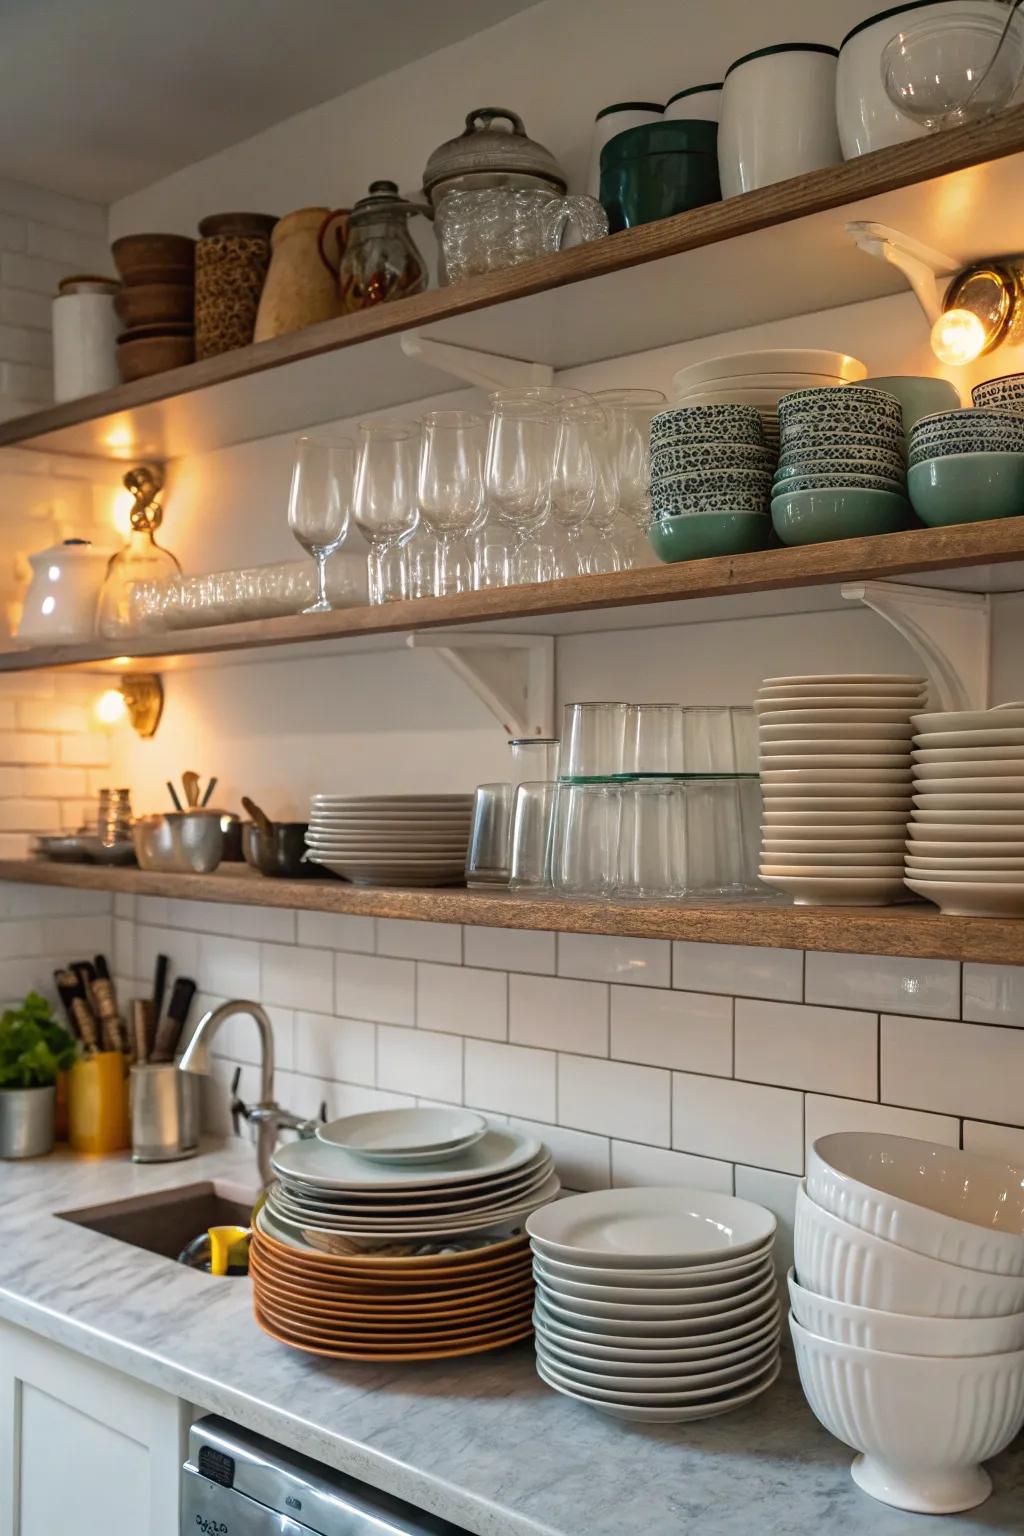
(916, 929)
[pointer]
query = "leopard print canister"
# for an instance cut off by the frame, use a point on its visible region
(230, 272)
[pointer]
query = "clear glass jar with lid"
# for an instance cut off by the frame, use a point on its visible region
(381, 260)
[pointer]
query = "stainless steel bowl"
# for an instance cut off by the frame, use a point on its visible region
(181, 842)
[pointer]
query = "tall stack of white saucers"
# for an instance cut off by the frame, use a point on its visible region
(835, 766)
(657, 1305)
(908, 1312)
(965, 849)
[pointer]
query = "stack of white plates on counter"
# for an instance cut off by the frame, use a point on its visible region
(836, 778)
(966, 839)
(762, 378)
(657, 1305)
(391, 839)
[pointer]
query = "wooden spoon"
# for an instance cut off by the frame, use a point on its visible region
(260, 817)
(190, 783)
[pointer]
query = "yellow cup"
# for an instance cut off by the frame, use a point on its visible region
(98, 1103)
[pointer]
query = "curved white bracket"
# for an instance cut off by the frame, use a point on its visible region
(514, 675)
(950, 631)
(487, 370)
(920, 264)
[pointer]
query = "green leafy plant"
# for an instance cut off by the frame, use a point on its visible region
(33, 1046)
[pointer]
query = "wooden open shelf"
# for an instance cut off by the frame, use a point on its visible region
(916, 930)
(553, 607)
(766, 255)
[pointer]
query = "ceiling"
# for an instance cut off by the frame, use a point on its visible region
(101, 97)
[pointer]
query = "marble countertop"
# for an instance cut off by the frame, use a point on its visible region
(481, 1442)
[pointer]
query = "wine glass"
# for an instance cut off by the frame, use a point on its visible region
(580, 476)
(946, 71)
(451, 489)
(386, 502)
(629, 414)
(320, 502)
(520, 455)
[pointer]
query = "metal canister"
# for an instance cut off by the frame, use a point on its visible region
(26, 1121)
(165, 1113)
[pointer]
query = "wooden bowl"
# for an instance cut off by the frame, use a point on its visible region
(155, 304)
(146, 355)
(154, 259)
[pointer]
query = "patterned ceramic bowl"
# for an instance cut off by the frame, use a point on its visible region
(818, 516)
(699, 535)
(850, 399)
(838, 480)
(868, 458)
(682, 458)
(945, 447)
(1005, 394)
(684, 505)
(700, 481)
(863, 419)
(717, 423)
(970, 419)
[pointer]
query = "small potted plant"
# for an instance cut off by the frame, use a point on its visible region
(33, 1049)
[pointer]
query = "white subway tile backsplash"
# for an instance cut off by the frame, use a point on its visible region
(960, 1069)
(558, 1015)
(777, 1192)
(510, 949)
(582, 1161)
(419, 1062)
(743, 1121)
(884, 983)
(25, 815)
(297, 978)
(23, 747)
(826, 1050)
(89, 751)
(1005, 1142)
(18, 940)
(420, 941)
(634, 1164)
(181, 949)
(77, 937)
(52, 715)
(994, 994)
(740, 970)
(344, 1050)
(337, 930)
(261, 923)
(512, 1079)
(691, 1031)
(123, 958)
(231, 968)
(615, 1099)
(462, 1001)
(371, 987)
(600, 957)
(824, 1115)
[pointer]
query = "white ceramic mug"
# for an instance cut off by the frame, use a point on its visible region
(700, 102)
(778, 116)
(611, 121)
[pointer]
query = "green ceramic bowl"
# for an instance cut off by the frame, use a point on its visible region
(816, 517)
(918, 395)
(697, 535)
(967, 488)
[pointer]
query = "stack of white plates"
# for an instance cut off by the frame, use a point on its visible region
(339, 1200)
(762, 378)
(658, 1305)
(391, 839)
(966, 844)
(836, 777)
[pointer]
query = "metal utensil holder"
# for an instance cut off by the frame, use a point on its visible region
(165, 1113)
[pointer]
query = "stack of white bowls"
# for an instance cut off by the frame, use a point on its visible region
(908, 1312)
(657, 1305)
(836, 778)
(966, 840)
(762, 378)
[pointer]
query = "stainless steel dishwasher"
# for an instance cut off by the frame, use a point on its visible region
(235, 1483)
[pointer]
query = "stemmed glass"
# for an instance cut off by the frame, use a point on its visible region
(451, 489)
(386, 502)
(320, 502)
(581, 477)
(629, 414)
(520, 455)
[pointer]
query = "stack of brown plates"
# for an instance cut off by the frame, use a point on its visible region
(374, 1308)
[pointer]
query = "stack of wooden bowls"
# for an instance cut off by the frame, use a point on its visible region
(155, 304)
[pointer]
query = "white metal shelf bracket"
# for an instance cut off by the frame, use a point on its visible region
(920, 264)
(950, 631)
(514, 675)
(487, 370)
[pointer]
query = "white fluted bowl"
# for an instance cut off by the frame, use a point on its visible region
(960, 1207)
(896, 1333)
(845, 1263)
(922, 1426)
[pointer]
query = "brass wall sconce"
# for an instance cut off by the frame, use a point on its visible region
(140, 696)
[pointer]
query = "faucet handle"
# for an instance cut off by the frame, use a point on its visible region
(239, 1109)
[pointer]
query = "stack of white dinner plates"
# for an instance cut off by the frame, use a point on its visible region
(836, 777)
(762, 378)
(966, 844)
(657, 1305)
(391, 839)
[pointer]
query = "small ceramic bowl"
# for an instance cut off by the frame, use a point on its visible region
(847, 418)
(707, 480)
(967, 488)
(719, 423)
(1003, 394)
(975, 418)
(815, 517)
(844, 397)
(681, 505)
(683, 458)
(713, 533)
(940, 447)
(918, 395)
(834, 479)
(814, 439)
(868, 458)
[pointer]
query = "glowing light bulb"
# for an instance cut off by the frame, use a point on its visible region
(121, 512)
(110, 707)
(958, 337)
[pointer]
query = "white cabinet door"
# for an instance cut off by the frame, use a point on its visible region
(84, 1450)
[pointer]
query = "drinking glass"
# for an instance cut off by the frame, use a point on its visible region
(419, 549)
(719, 738)
(714, 846)
(531, 828)
(584, 838)
(629, 413)
(451, 489)
(386, 502)
(580, 475)
(593, 739)
(534, 758)
(520, 455)
(487, 854)
(320, 502)
(654, 739)
(650, 861)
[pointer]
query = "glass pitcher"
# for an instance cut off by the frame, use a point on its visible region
(494, 227)
(381, 261)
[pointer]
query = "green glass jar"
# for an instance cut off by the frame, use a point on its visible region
(659, 169)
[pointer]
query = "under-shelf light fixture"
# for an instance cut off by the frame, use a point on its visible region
(983, 307)
(140, 696)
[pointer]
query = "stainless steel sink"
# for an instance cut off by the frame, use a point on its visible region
(167, 1220)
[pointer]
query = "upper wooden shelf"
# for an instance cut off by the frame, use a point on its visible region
(977, 557)
(769, 254)
(916, 930)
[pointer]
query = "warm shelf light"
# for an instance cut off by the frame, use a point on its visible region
(110, 707)
(982, 310)
(140, 697)
(958, 337)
